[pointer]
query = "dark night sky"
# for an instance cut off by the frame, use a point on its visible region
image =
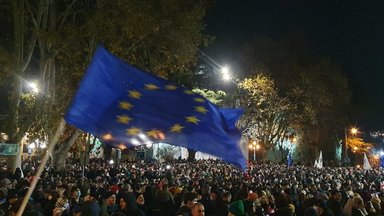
(349, 32)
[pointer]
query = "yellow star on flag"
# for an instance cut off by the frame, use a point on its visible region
(176, 128)
(200, 109)
(125, 105)
(151, 86)
(192, 119)
(200, 100)
(134, 94)
(124, 119)
(133, 131)
(153, 133)
(170, 87)
(188, 92)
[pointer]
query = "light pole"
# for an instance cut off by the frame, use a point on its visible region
(353, 131)
(255, 148)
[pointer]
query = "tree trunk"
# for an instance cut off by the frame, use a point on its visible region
(107, 152)
(61, 150)
(191, 154)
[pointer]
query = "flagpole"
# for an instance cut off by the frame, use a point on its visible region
(41, 167)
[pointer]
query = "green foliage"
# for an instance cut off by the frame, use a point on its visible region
(212, 96)
(267, 115)
(61, 37)
(358, 145)
(316, 88)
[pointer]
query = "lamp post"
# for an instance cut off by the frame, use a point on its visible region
(353, 131)
(255, 148)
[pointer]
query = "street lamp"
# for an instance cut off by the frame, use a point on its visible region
(255, 148)
(225, 73)
(353, 131)
(33, 87)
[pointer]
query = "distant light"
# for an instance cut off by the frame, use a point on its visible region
(4, 136)
(226, 77)
(225, 73)
(354, 131)
(358, 166)
(142, 136)
(168, 167)
(134, 141)
(161, 136)
(107, 136)
(225, 70)
(111, 162)
(122, 146)
(33, 86)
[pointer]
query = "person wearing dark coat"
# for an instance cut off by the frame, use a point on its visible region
(222, 204)
(322, 208)
(334, 203)
(128, 206)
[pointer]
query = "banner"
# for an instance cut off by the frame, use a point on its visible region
(7, 149)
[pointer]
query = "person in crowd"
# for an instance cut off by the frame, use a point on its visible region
(222, 204)
(108, 204)
(140, 202)
(311, 211)
(277, 187)
(236, 208)
(322, 208)
(189, 199)
(75, 201)
(91, 205)
(358, 208)
(334, 203)
(198, 209)
(128, 206)
(376, 202)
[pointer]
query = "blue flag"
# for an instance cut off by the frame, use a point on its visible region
(289, 161)
(127, 107)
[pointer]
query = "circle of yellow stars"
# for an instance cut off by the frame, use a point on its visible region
(156, 133)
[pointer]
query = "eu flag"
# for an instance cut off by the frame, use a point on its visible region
(127, 107)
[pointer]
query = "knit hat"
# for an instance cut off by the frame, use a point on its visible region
(5, 182)
(252, 197)
(237, 208)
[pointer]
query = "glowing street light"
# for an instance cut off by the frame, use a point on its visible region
(225, 73)
(255, 148)
(33, 87)
(353, 131)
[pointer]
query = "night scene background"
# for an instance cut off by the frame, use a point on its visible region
(349, 32)
(306, 72)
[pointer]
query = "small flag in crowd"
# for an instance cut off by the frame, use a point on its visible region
(127, 107)
(290, 161)
(382, 160)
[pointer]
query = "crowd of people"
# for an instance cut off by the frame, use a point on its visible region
(206, 187)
